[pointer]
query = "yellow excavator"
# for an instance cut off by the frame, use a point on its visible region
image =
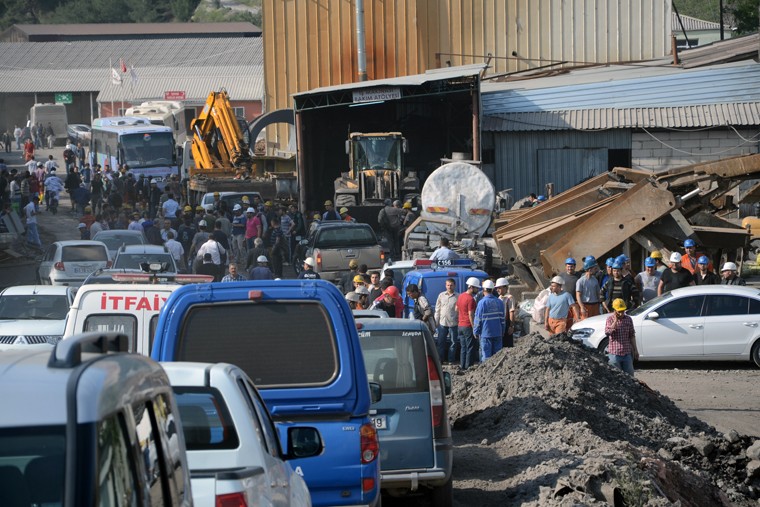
(219, 147)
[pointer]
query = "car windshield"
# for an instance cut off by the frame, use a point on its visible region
(649, 304)
(84, 253)
(33, 464)
(396, 359)
(148, 149)
(340, 237)
(34, 307)
(133, 261)
(206, 421)
(114, 241)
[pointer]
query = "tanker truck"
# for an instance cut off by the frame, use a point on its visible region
(457, 202)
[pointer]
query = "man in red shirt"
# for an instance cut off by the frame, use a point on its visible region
(466, 310)
(621, 349)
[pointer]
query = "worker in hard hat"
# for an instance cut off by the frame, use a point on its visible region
(730, 275)
(704, 276)
(490, 322)
(307, 273)
(466, 309)
(502, 289)
(657, 256)
(690, 257)
(648, 280)
(675, 277)
(587, 290)
(558, 307)
(619, 286)
(569, 276)
(330, 213)
(345, 216)
(621, 348)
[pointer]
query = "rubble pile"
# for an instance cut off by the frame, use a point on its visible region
(550, 423)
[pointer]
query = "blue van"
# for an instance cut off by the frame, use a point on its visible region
(297, 340)
(431, 276)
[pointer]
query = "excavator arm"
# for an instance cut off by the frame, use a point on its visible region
(219, 148)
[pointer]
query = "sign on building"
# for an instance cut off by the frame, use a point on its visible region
(174, 95)
(376, 94)
(64, 98)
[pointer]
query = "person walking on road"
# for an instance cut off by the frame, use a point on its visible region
(261, 271)
(232, 274)
(422, 309)
(307, 273)
(621, 348)
(490, 320)
(32, 233)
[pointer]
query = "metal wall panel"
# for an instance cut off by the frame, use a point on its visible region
(517, 157)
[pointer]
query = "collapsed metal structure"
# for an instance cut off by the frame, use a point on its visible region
(628, 210)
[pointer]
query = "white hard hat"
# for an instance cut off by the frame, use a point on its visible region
(558, 280)
(473, 282)
(362, 290)
(202, 223)
(261, 258)
(502, 282)
(309, 261)
(675, 257)
(729, 266)
(487, 285)
(352, 296)
(250, 210)
(236, 207)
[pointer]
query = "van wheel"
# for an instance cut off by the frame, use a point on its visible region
(443, 496)
(602, 348)
(756, 353)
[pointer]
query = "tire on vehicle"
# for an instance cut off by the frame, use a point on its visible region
(755, 355)
(602, 347)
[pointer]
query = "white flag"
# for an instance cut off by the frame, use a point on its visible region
(115, 77)
(133, 74)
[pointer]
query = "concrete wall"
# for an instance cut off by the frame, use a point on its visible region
(661, 150)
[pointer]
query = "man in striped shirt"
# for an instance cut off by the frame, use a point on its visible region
(621, 348)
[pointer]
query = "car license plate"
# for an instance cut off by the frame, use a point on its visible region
(84, 269)
(380, 422)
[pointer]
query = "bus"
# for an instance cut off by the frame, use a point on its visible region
(53, 115)
(146, 148)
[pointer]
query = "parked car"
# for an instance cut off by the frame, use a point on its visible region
(400, 269)
(133, 256)
(89, 429)
(700, 323)
(233, 450)
(297, 340)
(79, 132)
(33, 315)
(230, 199)
(411, 419)
(334, 244)
(69, 262)
(430, 277)
(116, 238)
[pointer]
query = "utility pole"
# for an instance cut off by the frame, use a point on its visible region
(720, 6)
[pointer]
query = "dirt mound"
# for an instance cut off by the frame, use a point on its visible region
(550, 423)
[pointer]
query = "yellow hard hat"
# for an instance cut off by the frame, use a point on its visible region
(343, 210)
(328, 203)
(199, 208)
(245, 199)
(187, 209)
(407, 205)
(358, 279)
(619, 305)
(316, 216)
(216, 194)
(268, 203)
(656, 254)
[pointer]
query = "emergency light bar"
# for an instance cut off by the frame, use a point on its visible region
(149, 278)
(442, 264)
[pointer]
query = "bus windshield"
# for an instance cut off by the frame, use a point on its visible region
(148, 149)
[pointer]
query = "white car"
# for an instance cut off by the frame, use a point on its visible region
(32, 315)
(701, 323)
(78, 132)
(233, 450)
(70, 262)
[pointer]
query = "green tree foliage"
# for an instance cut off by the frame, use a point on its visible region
(700, 9)
(183, 10)
(744, 14)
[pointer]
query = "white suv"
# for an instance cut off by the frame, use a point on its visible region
(89, 429)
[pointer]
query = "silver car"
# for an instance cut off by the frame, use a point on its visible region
(116, 238)
(70, 262)
(33, 315)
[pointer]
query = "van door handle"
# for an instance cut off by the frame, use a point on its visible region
(750, 324)
(695, 326)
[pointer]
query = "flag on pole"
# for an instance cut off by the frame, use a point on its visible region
(123, 66)
(133, 74)
(115, 77)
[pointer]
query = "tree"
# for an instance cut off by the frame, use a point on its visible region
(183, 10)
(745, 15)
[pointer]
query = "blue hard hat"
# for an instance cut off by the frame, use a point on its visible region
(570, 260)
(541, 198)
(689, 243)
(610, 261)
(703, 260)
(617, 265)
(622, 258)
(589, 263)
(649, 262)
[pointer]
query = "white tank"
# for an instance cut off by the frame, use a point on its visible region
(462, 197)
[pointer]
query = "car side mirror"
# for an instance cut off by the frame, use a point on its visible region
(447, 383)
(375, 391)
(653, 316)
(304, 442)
(304, 242)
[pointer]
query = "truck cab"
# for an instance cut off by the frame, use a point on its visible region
(430, 277)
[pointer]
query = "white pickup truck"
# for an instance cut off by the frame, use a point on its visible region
(233, 450)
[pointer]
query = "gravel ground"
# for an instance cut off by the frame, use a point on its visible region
(548, 423)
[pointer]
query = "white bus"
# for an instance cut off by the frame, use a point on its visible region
(147, 149)
(53, 114)
(166, 112)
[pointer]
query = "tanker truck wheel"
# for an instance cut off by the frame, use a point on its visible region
(344, 200)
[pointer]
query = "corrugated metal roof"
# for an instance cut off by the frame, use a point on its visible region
(709, 115)
(413, 80)
(633, 87)
(82, 29)
(140, 53)
(723, 51)
(243, 82)
(691, 24)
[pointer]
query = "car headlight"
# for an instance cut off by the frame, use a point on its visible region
(580, 334)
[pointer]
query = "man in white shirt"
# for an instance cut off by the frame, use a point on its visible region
(447, 317)
(50, 164)
(443, 252)
(176, 249)
(170, 207)
(32, 234)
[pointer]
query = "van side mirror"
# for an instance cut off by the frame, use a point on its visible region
(447, 383)
(653, 316)
(375, 391)
(304, 442)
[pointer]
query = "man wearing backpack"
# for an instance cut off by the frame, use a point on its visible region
(391, 219)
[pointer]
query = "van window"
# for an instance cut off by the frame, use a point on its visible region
(84, 253)
(166, 421)
(116, 468)
(338, 237)
(286, 343)
(118, 323)
(396, 359)
(152, 331)
(149, 445)
(206, 421)
(32, 464)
